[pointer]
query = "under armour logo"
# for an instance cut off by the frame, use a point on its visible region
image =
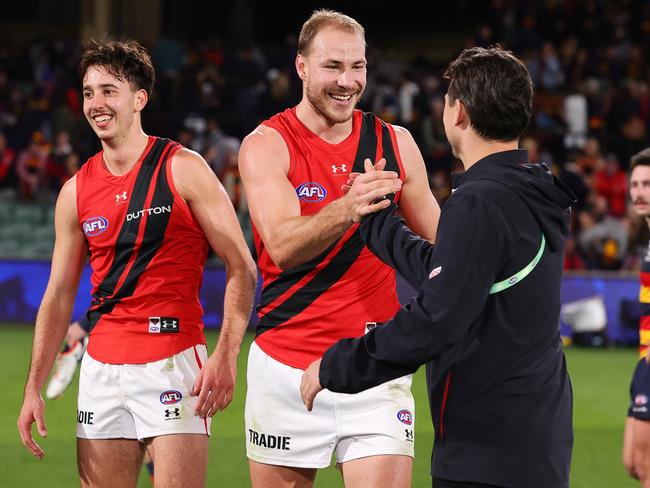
(164, 324)
(176, 412)
(409, 434)
(121, 197)
(339, 169)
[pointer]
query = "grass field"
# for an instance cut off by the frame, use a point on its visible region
(600, 381)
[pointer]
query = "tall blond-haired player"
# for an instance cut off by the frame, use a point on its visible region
(146, 209)
(320, 282)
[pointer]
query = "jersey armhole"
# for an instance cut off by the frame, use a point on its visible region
(398, 156)
(170, 175)
(292, 159)
(77, 197)
(80, 177)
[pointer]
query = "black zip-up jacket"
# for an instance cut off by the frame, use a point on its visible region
(499, 392)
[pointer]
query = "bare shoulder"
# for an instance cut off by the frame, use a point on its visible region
(68, 194)
(403, 136)
(69, 188)
(188, 164)
(190, 173)
(188, 158)
(66, 205)
(262, 135)
(264, 145)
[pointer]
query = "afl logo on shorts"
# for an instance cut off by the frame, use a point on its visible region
(95, 225)
(640, 400)
(311, 192)
(405, 416)
(170, 397)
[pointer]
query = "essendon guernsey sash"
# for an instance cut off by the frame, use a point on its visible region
(304, 310)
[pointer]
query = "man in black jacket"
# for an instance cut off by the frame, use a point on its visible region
(486, 315)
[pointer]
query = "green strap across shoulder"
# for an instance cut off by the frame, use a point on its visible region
(520, 275)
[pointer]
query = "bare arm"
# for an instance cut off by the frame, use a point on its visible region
(417, 204)
(290, 238)
(214, 212)
(54, 313)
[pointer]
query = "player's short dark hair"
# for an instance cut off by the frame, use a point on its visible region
(322, 19)
(126, 60)
(495, 88)
(642, 158)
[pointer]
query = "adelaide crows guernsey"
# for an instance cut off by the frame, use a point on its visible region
(644, 298)
(306, 309)
(147, 253)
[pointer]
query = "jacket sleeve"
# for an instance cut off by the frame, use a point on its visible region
(438, 319)
(389, 238)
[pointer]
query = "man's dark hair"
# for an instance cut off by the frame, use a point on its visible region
(642, 158)
(495, 88)
(126, 60)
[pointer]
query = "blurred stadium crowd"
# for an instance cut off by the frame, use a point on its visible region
(591, 114)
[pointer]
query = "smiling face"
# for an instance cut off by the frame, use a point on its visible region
(640, 190)
(334, 73)
(111, 106)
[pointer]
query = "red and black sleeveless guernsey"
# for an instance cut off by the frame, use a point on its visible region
(147, 253)
(306, 309)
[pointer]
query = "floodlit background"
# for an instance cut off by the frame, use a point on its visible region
(224, 66)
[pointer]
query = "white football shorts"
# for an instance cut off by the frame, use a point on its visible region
(280, 430)
(137, 401)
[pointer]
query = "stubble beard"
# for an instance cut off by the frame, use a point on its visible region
(317, 101)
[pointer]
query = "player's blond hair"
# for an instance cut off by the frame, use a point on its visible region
(323, 19)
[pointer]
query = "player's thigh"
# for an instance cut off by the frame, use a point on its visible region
(379, 421)
(180, 460)
(271, 476)
(279, 429)
(378, 472)
(109, 462)
(628, 446)
(159, 395)
(641, 443)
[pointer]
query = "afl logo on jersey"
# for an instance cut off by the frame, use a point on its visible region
(311, 192)
(405, 416)
(95, 225)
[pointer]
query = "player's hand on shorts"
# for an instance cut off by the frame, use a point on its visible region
(33, 410)
(310, 384)
(367, 190)
(215, 384)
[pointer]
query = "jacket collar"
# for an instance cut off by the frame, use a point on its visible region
(486, 165)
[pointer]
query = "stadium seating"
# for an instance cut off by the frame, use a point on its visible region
(26, 229)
